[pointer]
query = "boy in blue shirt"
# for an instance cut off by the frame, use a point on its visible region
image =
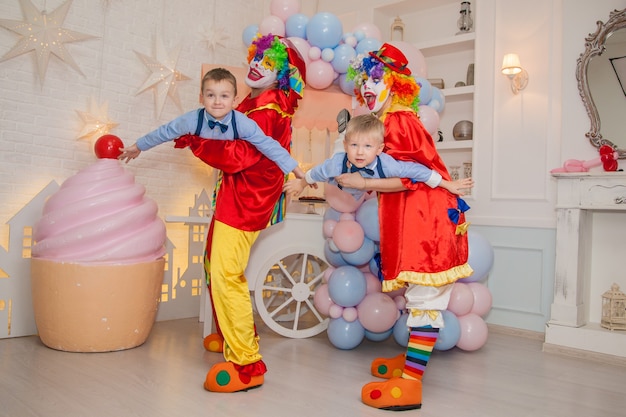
(216, 120)
(363, 144)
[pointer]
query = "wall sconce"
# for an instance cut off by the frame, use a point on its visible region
(512, 68)
(397, 30)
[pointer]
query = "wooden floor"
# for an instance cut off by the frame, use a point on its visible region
(509, 377)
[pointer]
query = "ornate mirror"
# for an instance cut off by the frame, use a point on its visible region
(601, 75)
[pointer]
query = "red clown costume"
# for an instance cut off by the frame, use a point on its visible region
(423, 240)
(246, 202)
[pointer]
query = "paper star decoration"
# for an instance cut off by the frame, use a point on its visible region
(213, 37)
(164, 76)
(96, 120)
(43, 33)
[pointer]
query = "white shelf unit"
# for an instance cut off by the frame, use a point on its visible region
(431, 26)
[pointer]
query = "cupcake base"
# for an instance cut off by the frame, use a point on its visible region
(101, 308)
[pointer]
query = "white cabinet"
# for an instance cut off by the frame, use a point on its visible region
(431, 26)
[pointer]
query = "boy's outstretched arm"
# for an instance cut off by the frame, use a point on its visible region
(458, 187)
(129, 153)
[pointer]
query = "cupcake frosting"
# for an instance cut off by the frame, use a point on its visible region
(100, 216)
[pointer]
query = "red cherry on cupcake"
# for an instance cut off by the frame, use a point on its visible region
(108, 147)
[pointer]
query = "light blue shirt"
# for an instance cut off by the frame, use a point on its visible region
(247, 128)
(332, 167)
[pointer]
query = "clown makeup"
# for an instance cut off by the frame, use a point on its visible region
(261, 73)
(375, 93)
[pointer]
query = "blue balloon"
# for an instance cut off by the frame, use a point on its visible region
(295, 25)
(401, 330)
(426, 91)
(438, 100)
(347, 286)
(346, 86)
(367, 45)
(362, 255)
(449, 334)
(331, 214)
(249, 33)
(333, 258)
(344, 54)
(480, 257)
(374, 267)
(367, 217)
(378, 337)
(324, 30)
(345, 335)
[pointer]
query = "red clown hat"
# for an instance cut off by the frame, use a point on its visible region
(294, 57)
(297, 67)
(393, 58)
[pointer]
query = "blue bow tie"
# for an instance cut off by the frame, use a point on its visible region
(222, 126)
(354, 168)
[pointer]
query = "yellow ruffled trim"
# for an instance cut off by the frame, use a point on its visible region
(272, 106)
(436, 279)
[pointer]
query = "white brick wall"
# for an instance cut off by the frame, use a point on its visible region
(39, 124)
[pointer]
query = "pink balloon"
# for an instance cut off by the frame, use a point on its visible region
(335, 311)
(474, 332)
(273, 25)
(328, 227)
(429, 118)
(395, 293)
(315, 53)
(377, 312)
(461, 299)
(370, 30)
(347, 216)
(322, 300)
(373, 283)
(327, 272)
(349, 314)
(348, 236)
(340, 200)
(319, 74)
(482, 298)
(417, 62)
(284, 8)
(400, 301)
(302, 46)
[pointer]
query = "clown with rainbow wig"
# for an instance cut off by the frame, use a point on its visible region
(423, 239)
(247, 199)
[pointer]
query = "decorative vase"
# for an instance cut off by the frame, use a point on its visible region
(463, 130)
(465, 22)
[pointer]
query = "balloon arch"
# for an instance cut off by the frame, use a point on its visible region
(328, 51)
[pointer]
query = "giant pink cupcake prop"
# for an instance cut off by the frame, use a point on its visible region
(97, 262)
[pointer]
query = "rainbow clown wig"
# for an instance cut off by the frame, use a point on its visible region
(287, 62)
(390, 65)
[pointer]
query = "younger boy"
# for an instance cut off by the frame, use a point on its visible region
(363, 144)
(217, 120)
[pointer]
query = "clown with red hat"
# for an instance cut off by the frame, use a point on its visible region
(423, 240)
(247, 199)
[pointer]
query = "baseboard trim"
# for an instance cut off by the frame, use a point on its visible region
(527, 334)
(584, 354)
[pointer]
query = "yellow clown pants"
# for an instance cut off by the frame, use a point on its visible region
(230, 251)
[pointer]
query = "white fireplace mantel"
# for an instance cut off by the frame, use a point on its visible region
(578, 195)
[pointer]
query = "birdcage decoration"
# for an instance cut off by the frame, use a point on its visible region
(614, 309)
